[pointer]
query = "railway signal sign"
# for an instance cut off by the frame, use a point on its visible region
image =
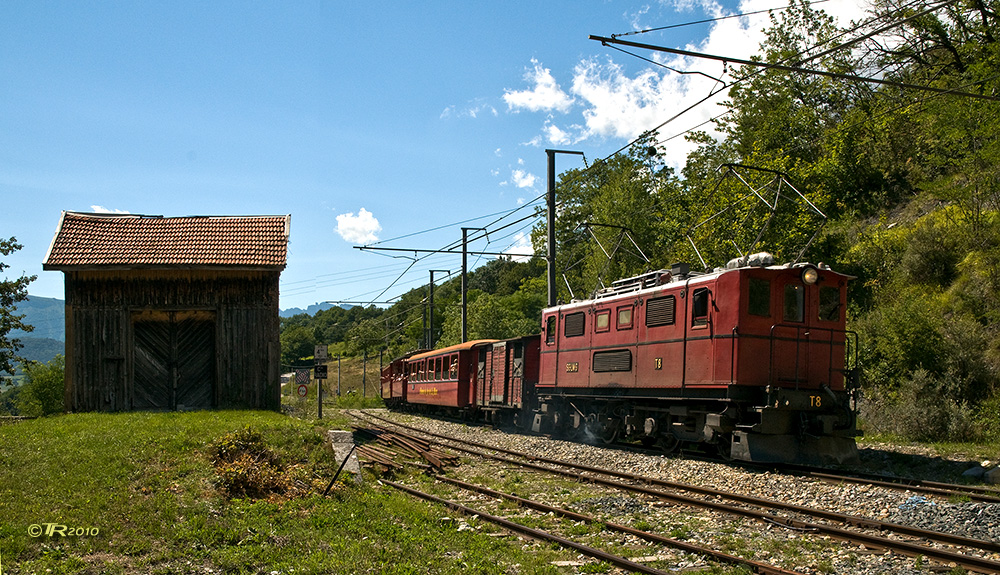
(303, 390)
(319, 371)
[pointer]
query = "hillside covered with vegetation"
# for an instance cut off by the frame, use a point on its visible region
(906, 173)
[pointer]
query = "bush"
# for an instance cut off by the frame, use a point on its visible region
(246, 466)
(44, 388)
(924, 407)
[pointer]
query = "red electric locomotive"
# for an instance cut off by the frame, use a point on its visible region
(750, 359)
(753, 360)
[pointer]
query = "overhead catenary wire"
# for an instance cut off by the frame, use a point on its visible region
(799, 55)
(712, 94)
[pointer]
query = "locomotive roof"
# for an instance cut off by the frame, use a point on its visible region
(655, 280)
(453, 348)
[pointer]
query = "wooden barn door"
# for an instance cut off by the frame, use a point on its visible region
(173, 363)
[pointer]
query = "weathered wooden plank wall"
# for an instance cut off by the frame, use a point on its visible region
(100, 309)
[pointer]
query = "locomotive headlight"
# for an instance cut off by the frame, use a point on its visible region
(810, 276)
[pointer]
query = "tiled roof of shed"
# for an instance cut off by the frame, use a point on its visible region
(102, 240)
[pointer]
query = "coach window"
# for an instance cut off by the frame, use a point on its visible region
(794, 302)
(573, 324)
(829, 303)
(453, 368)
(602, 322)
(699, 307)
(625, 317)
(438, 368)
(550, 329)
(760, 297)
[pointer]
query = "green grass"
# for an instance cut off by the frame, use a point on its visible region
(147, 483)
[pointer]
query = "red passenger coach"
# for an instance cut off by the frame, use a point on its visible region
(393, 380)
(445, 377)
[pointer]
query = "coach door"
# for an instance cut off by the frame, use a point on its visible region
(173, 360)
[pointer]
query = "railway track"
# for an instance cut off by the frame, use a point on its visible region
(855, 530)
(924, 487)
(417, 447)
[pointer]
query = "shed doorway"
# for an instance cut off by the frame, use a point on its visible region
(173, 360)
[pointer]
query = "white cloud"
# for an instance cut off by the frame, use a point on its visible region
(556, 135)
(103, 210)
(473, 110)
(523, 179)
(620, 105)
(360, 229)
(544, 96)
(522, 245)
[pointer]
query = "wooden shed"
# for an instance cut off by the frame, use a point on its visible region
(171, 313)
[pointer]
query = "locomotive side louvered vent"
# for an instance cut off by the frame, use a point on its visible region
(573, 324)
(616, 360)
(660, 311)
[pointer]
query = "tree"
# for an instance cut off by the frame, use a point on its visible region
(42, 392)
(11, 292)
(296, 343)
(367, 335)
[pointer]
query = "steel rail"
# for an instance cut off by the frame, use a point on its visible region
(757, 566)
(973, 492)
(852, 520)
(539, 534)
(970, 562)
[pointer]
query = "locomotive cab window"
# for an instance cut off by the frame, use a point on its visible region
(550, 329)
(602, 321)
(794, 308)
(760, 297)
(574, 323)
(625, 317)
(699, 307)
(829, 303)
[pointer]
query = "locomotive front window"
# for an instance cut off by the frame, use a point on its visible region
(794, 302)
(625, 317)
(760, 297)
(603, 321)
(829, 303)
(699, 307)
(574, 324)
(550, 329)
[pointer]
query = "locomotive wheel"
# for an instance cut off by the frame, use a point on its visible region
(669, 443)
(603, 428)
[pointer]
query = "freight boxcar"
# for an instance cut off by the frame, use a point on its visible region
(508, 374)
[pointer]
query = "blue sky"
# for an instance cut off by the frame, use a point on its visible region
(388, 122)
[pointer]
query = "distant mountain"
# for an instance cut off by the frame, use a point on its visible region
(311, 310)
(48, 315)
(40, 349)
